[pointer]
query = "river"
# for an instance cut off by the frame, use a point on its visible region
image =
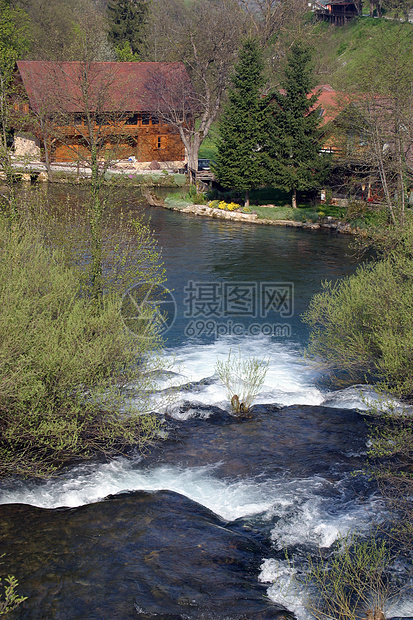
(200, 526)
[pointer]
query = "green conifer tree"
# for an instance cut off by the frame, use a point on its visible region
(240, 157)
(127, 21)
(294, 139)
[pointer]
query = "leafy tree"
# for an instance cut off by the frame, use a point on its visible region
(14, 43)
(127, 21)
(66, 30)
(240, 157)
(361, 325)
(86, 88)
(294, 137)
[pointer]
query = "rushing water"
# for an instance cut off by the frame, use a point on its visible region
(199, 527)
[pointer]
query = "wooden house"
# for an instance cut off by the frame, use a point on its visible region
(336, 12)
(70, 108)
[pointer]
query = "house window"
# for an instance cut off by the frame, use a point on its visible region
(132, 120)
(145, 119)
(161, 142)
(155, 120)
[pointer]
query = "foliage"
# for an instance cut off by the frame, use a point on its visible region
(129, 252)
(14, 42)
(239, 159)
(390, 461)
(124, 53)
(243, 379)
(127, 21)
(186, 198)
(10, 599)
(14, 39)
(196, 195)
(67, 30)
(63, 365)
(294, 137)
(362, 327)
(350, 581)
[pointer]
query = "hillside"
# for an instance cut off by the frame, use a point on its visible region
(339, 49)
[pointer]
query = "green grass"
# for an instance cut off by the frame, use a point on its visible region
(273, 213)
(302, 214)
(178, 202)
(338, 48)
(208, 147)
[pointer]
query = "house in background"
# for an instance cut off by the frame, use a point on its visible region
(336, 12)
(330, 103)
(68, 108)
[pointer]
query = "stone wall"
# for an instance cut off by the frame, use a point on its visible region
(26, 145)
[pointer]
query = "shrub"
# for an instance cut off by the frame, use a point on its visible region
(362, 325)
(352, 582)
(62, 364)
(243, 379)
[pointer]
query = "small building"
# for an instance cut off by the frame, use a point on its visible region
(336, 12)
(68, 108)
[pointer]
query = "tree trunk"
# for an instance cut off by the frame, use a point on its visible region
(192, 142)
(247, 198)
(47, 157)
(294, 199)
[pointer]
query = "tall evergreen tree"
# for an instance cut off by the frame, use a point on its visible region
(239, 161)
(127, 21)
(294, 139)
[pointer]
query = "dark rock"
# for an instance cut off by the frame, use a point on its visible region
(133, 555)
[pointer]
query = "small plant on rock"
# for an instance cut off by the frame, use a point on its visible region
(351, 583)
(243, 379)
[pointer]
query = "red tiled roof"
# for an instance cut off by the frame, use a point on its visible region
(330, 101)
(111, 86)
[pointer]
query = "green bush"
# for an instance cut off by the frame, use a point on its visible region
(352, 582)
(62, 364)
(362, 325)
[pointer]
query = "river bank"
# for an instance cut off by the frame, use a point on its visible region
(328, 223)
(145, 179)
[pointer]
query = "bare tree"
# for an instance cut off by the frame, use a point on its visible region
(78, 110)
(90, 114)
(378, 126)
(205, 36)
(270, 17)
